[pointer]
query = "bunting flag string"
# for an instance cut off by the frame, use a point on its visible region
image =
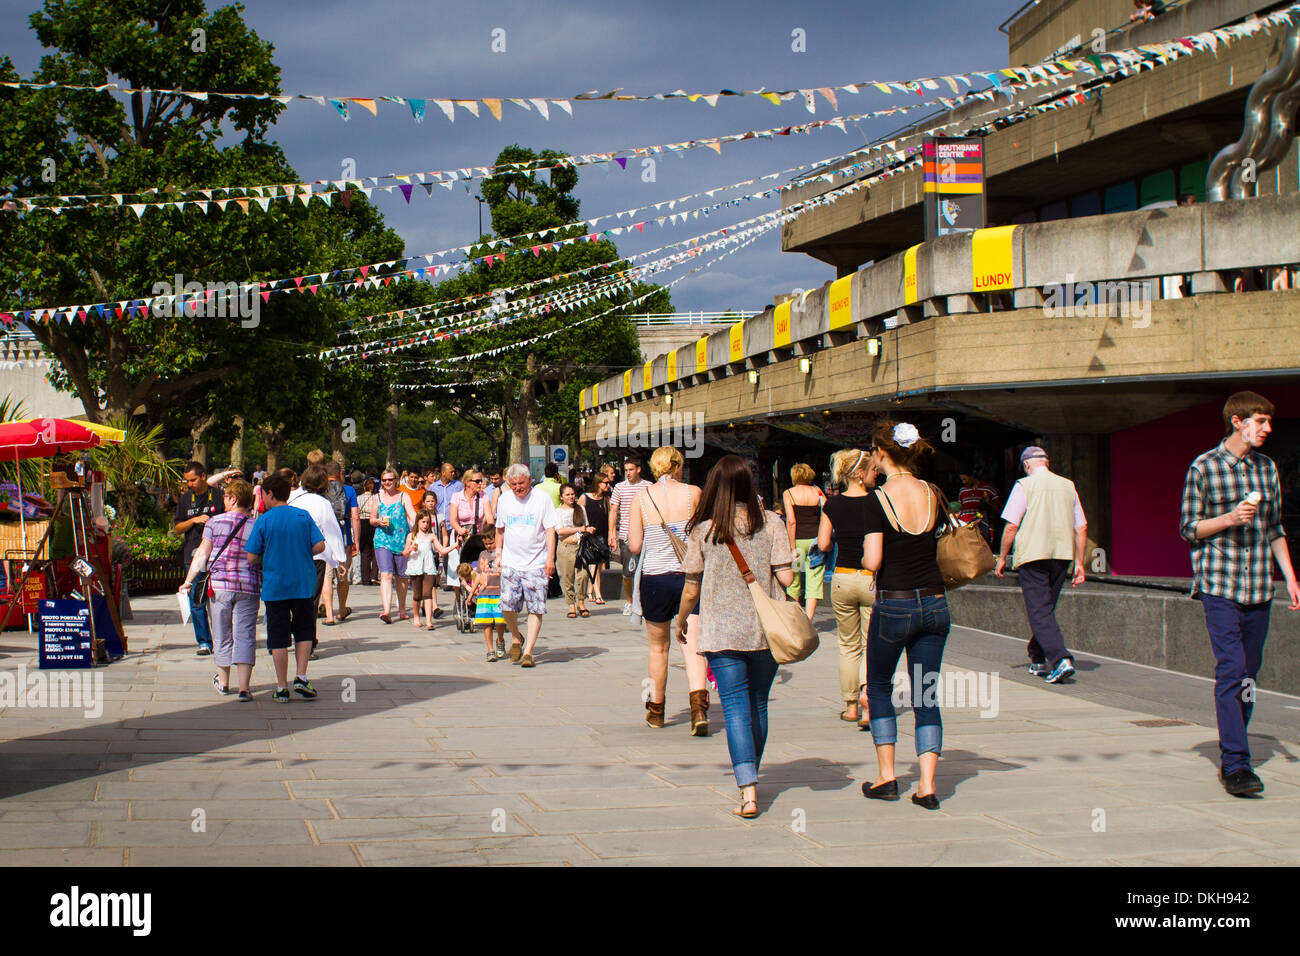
(205, 198)
(461, 360)
(769, 221)
(1056, 66)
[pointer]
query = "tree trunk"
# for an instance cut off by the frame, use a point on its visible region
(274, 439)
(390, 431)
(237, 446)
(199, 448)
(336, 445)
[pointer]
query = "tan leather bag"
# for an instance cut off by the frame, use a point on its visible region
(961, 551)
(791, 637)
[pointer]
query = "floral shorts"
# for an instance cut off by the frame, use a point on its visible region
(523, 590)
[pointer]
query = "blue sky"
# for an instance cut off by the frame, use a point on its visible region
(407, 48)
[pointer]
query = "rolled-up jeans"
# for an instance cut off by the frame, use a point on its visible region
(919, 626)
(744, 681)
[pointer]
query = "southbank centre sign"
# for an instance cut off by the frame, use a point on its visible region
(954, 185)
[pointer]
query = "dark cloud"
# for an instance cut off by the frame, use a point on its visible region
(345, 48)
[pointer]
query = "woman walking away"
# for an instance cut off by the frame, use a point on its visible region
(803, 514)
(911, 608)
(421, 553)
(391, 515)
(369, 572)
(595, 504)
(570, 525)
(236, 587)
(731, 637)
(853, 588)
(662, 511)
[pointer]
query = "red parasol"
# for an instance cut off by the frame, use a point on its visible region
(43, 438)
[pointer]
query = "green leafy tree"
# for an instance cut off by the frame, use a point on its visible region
(536, 387)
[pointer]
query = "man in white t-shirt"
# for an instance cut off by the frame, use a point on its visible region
(525, 522)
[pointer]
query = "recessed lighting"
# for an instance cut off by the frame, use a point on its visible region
(805, 365)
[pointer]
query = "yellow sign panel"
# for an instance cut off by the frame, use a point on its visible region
(909, 275)
(736, 341)
(627, 383)
(781, 326)
(595, 400)
(582, 400)
(702, 354)
(646, 376)
(992, 258)
(671, 370)
(841, 303)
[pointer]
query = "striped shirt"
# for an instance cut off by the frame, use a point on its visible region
(1235, 564)
(623, 495)
(232, 571)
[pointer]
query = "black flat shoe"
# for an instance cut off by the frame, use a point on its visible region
(886, 791)
(930, 801)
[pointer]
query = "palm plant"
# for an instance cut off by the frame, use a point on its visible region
(13, 410)
(134, 464)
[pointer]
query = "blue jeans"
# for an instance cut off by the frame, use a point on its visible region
(199, 619)
(919, 626)
(1237, 634)
(744, 681)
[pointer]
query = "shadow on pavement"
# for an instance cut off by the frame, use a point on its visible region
(80, 753)
(563, 654)
(1262, 749)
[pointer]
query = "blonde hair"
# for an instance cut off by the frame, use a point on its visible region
(847, 463)
(802, 474)
(666, 460)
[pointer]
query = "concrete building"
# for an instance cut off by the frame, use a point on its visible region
(1094, 315)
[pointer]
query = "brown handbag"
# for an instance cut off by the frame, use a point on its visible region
(790, 635)
(679, 546)
(960, 550)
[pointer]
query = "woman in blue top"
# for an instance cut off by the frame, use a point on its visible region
(392, 517)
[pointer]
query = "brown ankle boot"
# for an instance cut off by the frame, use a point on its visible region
(654, 714)
(699, 713)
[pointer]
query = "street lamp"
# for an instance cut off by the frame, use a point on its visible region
(437, 442)
(481, 201)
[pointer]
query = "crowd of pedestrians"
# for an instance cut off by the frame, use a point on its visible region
(688, 557)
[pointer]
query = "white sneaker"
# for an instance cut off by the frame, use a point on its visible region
(627, 609)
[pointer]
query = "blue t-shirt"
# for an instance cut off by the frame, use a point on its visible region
(284, 537)
(350, 494)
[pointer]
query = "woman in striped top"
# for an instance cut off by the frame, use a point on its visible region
(668, 504)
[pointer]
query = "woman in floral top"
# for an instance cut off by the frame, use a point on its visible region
(731, 637)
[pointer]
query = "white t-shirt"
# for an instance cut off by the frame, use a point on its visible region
(523, 526)
(322, 512)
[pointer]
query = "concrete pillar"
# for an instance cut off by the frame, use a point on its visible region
(1085, 460)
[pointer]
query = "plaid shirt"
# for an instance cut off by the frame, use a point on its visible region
(232, 571)
(1235, 564)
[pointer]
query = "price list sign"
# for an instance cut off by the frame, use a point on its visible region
(65, 635)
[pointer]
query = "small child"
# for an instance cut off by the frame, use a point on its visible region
(422, 545)
(487, 611)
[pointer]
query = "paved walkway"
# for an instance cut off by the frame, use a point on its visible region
(441, 758)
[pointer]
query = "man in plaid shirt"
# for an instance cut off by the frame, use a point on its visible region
(1232, 517)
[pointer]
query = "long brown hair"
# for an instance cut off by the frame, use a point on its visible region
(730, 485)
(579, 518)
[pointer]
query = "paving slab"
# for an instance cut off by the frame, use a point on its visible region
(443, 759)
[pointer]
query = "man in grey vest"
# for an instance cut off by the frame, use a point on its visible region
(1045, 522)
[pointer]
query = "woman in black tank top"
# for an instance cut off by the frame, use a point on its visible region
(596, 505)
(911, 611)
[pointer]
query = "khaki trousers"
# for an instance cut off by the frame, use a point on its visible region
(851, 598)
(575, 580)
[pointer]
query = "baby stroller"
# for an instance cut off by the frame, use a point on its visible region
(469, 551)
